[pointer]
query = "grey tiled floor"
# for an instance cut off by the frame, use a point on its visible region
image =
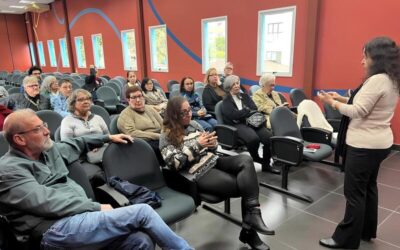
(299, 225)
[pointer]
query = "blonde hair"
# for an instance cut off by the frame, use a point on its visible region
(208, 72)
(29, 79)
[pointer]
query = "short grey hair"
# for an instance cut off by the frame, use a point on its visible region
(229, 81)
(72, 98)
(46, 84)
(29, 79)
(266, 79)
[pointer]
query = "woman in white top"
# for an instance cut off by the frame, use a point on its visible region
(367, 114)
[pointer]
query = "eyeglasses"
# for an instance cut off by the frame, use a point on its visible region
(185, 113)
(33, 86)
(136, 97)
(83, 99)
(36, 73)
(188, 83)
(36, 130)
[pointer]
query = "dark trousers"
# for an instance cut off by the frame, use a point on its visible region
(361, 192)
(233, 176)
(252, 138)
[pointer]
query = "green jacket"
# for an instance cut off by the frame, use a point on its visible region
(34, 191)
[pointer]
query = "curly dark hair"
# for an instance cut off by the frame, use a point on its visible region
(182, 87)
(173, 127)
(385, 56)
(143, 84)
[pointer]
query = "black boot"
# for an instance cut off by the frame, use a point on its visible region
(251, 238)
(252, 219)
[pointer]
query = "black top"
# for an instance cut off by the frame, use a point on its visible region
(230, 112)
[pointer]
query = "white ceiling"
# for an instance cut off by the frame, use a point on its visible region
(25, 5)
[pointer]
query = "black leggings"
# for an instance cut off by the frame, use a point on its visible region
(233, 176)
(252, 138)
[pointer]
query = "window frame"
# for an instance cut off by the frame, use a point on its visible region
(64, 52)
(40, 49)
(52, 53)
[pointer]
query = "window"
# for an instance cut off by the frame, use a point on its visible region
(41, 53)
(158, 48)
(129, 49)
(214, 43)
(32, 53)
(98, 52)
(80, 52)
(64, 52)
(276, 29)
(52, 53)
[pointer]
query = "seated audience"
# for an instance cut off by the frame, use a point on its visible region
(236, 107)
(153, 96)
(59, 102)
(92, 82)
(228, 70)
(199, 112)
(35, 71)
(3, 92)
(186, 148)
(141, 121)
(49, 86)
(213, 91)
(31, 98)
(4, 112)
(266, 99)
(40, 200)
(131, 81)
(82, 122)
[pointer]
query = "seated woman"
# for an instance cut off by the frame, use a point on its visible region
(213, 91)
(199, 112)
(83, 122)
(236, 107)
(59, 102)
(266, 99)
(141, 121)
(153, 96)
(49, 86)
(186, 148)
(131, 80)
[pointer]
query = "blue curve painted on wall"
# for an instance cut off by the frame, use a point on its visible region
(59, 20)
(98, 12)
(173, 37)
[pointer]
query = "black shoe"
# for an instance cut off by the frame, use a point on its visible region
(329, 243)
(268, 168)
(252, 219)
(251, 238)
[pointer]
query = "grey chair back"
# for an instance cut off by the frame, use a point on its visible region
(170, 84)
(113, 125)
(283, 123)
(98, 110)
(218, 112)
(116, 87)
(13, 90)
(110, 98)
(253, 89)
(297, 96)
(174, 93)
(52, 118)
(3, 144)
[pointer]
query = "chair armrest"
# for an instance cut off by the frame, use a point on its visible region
(293, 109)
(227, 135)
(114, 195)
(317, 135)
(99, 102)
(287, 149)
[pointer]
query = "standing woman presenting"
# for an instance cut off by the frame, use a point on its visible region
(368, 138)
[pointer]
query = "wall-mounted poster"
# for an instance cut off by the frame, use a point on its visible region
(129, 49)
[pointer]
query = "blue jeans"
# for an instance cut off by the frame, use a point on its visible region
(207, 124)
(131, 227)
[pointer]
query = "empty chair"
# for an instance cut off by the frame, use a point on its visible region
(13, 90)
(103, 80)
(199, 91)
(116, 87)
(140, 166)
(98, 110)
(110, 98)
(171, 83)
(52, 118)
(113, 125)
(288, 148)
(297, 96)
(253, 89)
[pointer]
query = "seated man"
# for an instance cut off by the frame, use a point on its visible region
(30, 98)
(141, 121)
(59, 102)
(37, 195)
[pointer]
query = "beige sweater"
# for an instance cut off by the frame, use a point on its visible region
(371, 113)
(265, 104)
(145, 125)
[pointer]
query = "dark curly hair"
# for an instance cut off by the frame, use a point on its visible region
(143, 84)
(385, 56)
(173, 127)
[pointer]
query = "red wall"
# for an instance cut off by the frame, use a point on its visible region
(343, 28)
(14, 49)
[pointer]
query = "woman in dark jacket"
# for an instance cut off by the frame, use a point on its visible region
(236, 107)
(213, 92)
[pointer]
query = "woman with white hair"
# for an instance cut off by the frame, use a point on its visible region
(266, 99)
(49, 86)
(236, 107)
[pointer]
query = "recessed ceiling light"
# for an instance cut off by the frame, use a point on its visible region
(27, 2)
(7, 11)
(17, 6)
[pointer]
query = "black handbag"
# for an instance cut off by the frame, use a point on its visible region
(256, 119)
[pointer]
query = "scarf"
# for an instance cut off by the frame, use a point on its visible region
(341, 145)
